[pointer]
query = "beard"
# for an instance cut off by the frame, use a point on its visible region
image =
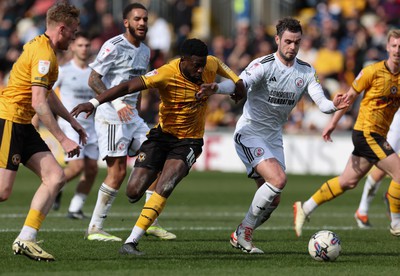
(133, 33)
(286, 58)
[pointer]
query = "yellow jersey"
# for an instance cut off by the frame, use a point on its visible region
(381, 98)
(37, 66)
(180, 113)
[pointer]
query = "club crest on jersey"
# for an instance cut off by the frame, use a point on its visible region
(393, 89)
(258, 152)
(43, 66)
(299, 82)
(121, 146)
(141, 157)
(387, 146)
(16, 159)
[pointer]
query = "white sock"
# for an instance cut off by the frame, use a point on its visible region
(370, 188)
(105, 199)
(28, 233)
(309, 206)
(261, 201)
(148, 195)
(264, 216)
(395, 218)
(77, 202)
(135, 235)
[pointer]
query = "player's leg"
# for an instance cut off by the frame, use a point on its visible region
(116, 170)
(355, 169)
(139, 136)
(263, 162)
(174, 158)
(7, 178)
(371, 186)
(83, 189)
(173, 172)
(73, 168)
(156, 229)
(113, 146)
(47, 168)
(391, 165)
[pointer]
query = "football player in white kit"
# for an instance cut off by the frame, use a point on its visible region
(74, 89)
(119, 128)
(275, 83)
(374, 179)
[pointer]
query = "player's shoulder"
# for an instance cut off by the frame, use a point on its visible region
(303, 63)
(265, 59)
(113, 43)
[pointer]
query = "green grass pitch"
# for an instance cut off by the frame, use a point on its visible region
(203, 211)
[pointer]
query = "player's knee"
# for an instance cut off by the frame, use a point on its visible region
(134, 194)
(4, 195)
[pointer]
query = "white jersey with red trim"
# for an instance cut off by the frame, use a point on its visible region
(273, 90)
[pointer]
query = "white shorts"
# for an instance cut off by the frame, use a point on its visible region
(252, 150)
(393, 136)
(116, 140)
(91, 149)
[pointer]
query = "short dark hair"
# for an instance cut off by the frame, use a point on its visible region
(130, 7)
(82, 34)
(194, 47)
(290, 24)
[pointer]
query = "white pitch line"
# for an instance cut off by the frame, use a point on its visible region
(190, 228)
(200, 214)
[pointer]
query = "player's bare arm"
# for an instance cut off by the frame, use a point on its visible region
(96, 83)
(42, 109)
(133, 86)
(348, 99)
(58, 108)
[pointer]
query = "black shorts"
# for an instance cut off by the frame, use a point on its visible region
(161, 146)
(18, 142)
(371, 146)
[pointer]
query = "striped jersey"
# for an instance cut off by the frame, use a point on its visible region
(74, 88)
(273, 90)
(381, 98)
(180, 113)
(119, 61)
(36, 66)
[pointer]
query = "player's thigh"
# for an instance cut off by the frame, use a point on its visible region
(356, 168)
(46, 167)
(391, 165)
(7, 178)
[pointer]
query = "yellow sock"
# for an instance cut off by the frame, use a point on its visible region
(329, 190)
(394, 197)
(151, 210)
(34, 219)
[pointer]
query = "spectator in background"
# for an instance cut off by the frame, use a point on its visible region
(159, 40)
(307, 51)
(329, 60)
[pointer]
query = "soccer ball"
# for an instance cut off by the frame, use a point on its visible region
(324, 246)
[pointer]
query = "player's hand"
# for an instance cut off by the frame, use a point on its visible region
(206, 89)
(83, 107)
(341, 101)
(80, 130)
(70, 147)
(240, 92)
(125, 113)
(326, 133)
